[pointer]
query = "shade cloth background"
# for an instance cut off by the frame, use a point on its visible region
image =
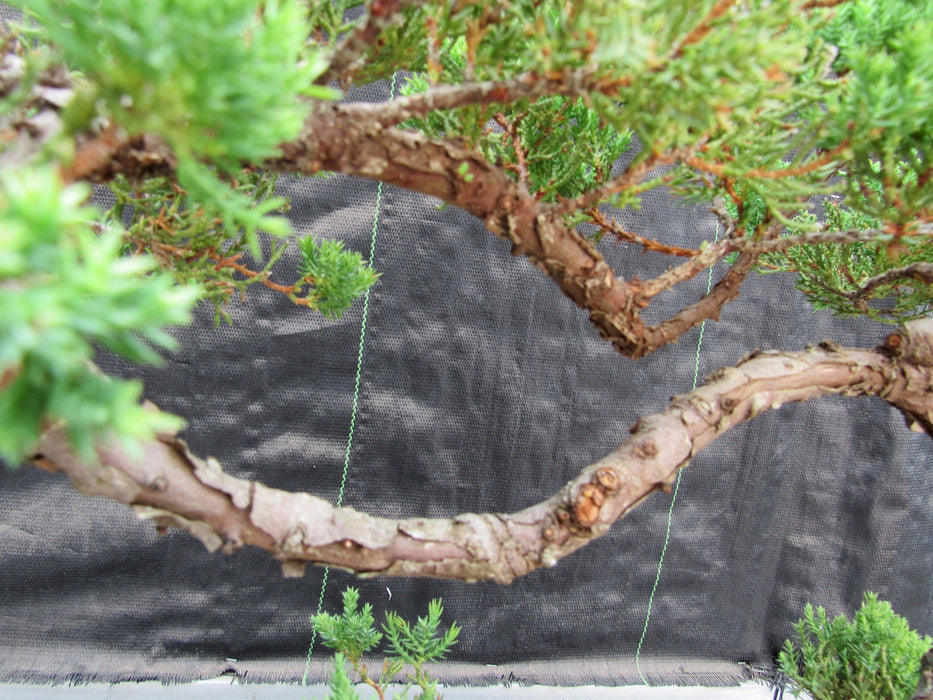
(481, 389)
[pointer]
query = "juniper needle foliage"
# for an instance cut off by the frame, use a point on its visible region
(876, 656)
(353, 634)
(63, 286)
(218, 81)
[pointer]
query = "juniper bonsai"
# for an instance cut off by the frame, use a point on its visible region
(519, 113)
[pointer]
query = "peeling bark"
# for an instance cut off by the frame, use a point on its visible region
(351, 139)
(174, 488)
(359, 139)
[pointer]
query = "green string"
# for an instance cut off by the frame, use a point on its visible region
(670, 511)
(356, 398)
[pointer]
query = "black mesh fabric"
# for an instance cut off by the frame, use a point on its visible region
(481, 389)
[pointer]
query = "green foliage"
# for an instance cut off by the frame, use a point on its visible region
(64, 287)
(223, 87)
(353, 634)
(875, 657)
(419, 643)
(186, 241)
(876, 23)
(885, 111)
(337, 277)
(218, 80)
(222, 83)
(341, 687)
(833, 275)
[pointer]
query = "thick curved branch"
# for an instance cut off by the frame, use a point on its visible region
(358, 139)
(348, 138)
(172, 487)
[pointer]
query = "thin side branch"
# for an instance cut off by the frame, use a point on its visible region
(489, 92)
(627, 180)
(351, 54)
(720, 170)
(172, 487)
(726, 290)
(610, 226)
(776, 245)
(919, 272)
(706, 258)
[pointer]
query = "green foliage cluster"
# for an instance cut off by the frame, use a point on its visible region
(885, 114)
(834, 276)
(880, 109)
(875, 23)
(194, 247)
(223, 84)
(218, 80)
(353, 634)
(874, 657)
(337, 276)
(64, 287)
(186, 241)
(646, 76)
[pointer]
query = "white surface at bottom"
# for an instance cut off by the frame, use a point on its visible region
(223, 689)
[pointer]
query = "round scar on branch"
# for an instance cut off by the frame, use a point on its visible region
(607, 478)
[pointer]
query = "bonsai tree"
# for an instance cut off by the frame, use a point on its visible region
(536, 117)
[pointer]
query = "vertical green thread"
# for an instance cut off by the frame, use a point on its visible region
(670, 511)
(356, 398)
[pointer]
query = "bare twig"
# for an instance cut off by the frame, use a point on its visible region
(707, 257)
(820, 236)
(610, 226)
(489, 92)
(824, 160)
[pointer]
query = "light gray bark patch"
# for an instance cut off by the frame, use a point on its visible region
(199, 529)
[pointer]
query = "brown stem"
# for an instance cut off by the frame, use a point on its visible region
(726, 290)
(815, 4)
(719, 169)
(511, 130)
(704, 27)
(351, 54)
(527, 86)
(262, 277)
(919, 271)
(626, 180)
(610, 226)
(361, 669)
(169, 485)
(816, 237)
(688, 270)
